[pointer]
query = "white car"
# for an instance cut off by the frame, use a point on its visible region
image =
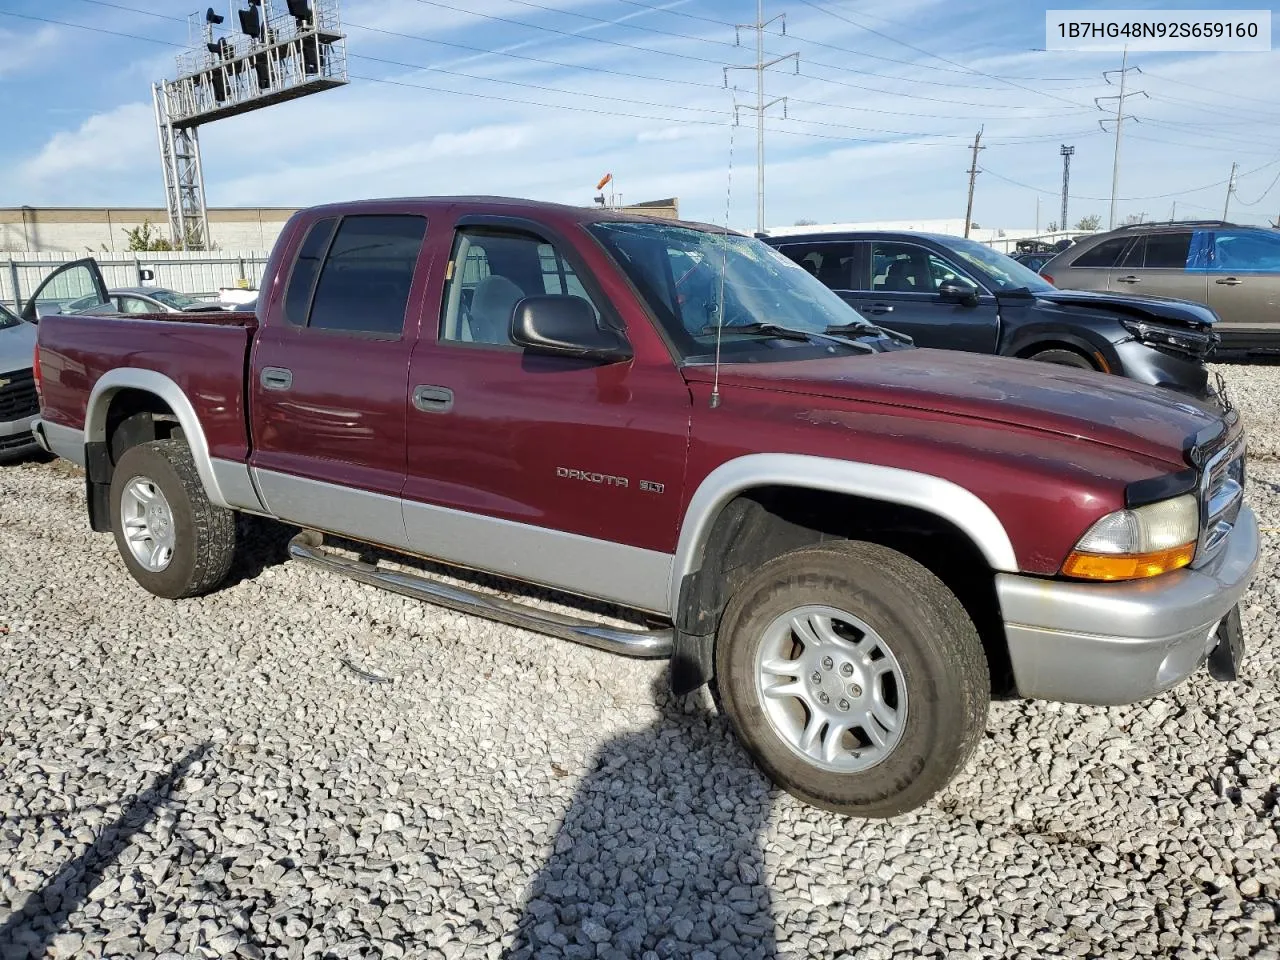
(19, 405)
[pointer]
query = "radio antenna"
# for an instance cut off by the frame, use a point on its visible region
(724, 258)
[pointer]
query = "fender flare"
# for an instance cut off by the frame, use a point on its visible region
(149, 381)
(935, 495)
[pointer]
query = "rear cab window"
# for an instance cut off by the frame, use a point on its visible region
(353, 274)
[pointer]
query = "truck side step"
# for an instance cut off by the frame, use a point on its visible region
(308, 546)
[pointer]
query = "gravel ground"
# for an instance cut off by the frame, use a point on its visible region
(299, 766)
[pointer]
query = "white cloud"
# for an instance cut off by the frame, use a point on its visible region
(23, 50)
(111, 142)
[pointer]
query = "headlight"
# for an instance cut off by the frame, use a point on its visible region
(1142, 542)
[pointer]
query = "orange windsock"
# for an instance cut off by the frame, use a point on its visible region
(603, 180)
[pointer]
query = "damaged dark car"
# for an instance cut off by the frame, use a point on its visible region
(956, 294)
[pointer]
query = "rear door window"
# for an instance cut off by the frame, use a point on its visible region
(365, 281)
(832, 263)
(297, 298)
(1167, 250)
(1105, 254)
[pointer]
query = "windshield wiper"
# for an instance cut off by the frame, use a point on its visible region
(789, 333)
(870, 329)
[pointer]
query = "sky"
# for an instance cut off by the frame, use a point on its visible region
(541, 98)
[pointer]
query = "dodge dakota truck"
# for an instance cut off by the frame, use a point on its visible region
(856, 542)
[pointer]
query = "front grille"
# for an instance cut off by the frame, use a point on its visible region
(1221, 496)
(18, 396)
(18, 441)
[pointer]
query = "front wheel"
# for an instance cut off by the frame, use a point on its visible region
(1064, 358)
(173, 540)
(853, 676)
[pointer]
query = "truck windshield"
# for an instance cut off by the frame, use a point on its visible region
(697, 280)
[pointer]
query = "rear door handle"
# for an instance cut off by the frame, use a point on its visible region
(430, 399)
(276, 378)
(878, 308)
(1129, 279)
(1229, 282)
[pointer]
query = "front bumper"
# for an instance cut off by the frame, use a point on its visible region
(16, 437)
(1111, 643)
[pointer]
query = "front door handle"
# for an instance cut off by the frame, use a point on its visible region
(1229, 282)
(430, 399)
(878, 308)
(276, 378)
(1129, 279)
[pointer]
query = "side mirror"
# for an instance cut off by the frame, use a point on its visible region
(564, 326)
(958, 291)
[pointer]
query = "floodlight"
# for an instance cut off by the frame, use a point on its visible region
(213, 18)
(300, 10)
(251, 20)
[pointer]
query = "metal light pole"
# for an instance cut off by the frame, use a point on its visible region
(1067, 153)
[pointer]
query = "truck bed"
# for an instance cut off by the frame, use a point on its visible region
(205, 353)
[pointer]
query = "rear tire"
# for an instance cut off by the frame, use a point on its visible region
(173, 540)
(890, 648)
(1064, 358)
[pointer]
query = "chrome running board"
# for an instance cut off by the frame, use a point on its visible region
(308, 546)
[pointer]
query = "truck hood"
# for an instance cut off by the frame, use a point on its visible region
(17, 346)
(1058, 400)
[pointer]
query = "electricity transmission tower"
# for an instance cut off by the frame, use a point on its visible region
(1118, 120)
(1067, 153)
(760, 66)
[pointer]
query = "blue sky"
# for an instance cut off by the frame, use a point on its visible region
(879, 119)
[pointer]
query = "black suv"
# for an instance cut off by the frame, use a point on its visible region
(957, 294)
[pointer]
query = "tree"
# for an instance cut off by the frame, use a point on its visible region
(1053, 226)
(974, 225)
(1133, 218)
(147, 238)
(802, 222)
(1091, 222)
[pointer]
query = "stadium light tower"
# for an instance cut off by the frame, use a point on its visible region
(277, 55)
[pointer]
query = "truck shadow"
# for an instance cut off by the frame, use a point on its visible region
(660, 850)
(261, 543)
(46, 910)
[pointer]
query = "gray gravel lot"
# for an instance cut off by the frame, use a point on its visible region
(299, 766)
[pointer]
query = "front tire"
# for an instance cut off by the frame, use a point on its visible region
(1064, 358)
(173, 540)
(853, 677)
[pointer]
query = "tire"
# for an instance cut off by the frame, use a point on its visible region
(156, 491)
(911, 628)
(1064, 358)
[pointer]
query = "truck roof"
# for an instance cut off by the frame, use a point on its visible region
(512, 206)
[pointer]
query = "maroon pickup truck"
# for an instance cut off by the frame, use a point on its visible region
(858, 542)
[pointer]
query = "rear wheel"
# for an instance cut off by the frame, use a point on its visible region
(173, 540)
(1064, 358)
(854, 677)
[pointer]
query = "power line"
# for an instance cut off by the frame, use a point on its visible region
(856, 53)
(1212, 148)
(1157, 196)
(930, 53)
(1199, 86)
(709, 86)
(700, 59)
(1252, 203)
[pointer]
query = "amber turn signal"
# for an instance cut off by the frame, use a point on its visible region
(1127, 566)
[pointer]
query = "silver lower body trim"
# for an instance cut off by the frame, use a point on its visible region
(65, 442)
(308, 546)
(1113, 643)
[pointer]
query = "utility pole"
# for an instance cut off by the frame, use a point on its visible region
(1037, 214)
(1231, 188)
(760, 66)
(1067, 153)
(973, 176)
(1173, 212)
(1119, 120)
